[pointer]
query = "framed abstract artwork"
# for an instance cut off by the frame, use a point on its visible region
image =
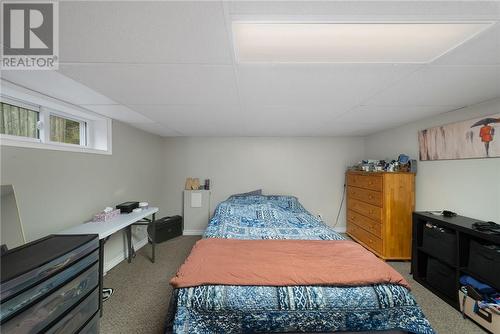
(475, 138)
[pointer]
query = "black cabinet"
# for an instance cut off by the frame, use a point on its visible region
(51, 285)
(445, 248)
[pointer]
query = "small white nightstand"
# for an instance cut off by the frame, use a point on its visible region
(196, 211)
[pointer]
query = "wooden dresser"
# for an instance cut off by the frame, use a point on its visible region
(379, 212)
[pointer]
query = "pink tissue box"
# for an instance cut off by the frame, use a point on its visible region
(106, 216)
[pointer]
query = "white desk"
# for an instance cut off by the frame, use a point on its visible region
(106, 229)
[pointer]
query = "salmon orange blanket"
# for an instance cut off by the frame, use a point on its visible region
(283, 263)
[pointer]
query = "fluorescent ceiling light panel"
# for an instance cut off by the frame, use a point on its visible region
(257, 42)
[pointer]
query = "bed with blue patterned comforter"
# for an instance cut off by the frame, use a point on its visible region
(264, 309)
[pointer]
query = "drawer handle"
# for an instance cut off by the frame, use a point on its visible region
(370, 196)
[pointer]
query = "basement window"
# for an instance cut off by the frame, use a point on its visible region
(30, 119)
(68, 131)
(19, 121)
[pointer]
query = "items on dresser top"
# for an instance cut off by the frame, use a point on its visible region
(402, 164)
(51, 285)
(379, 208)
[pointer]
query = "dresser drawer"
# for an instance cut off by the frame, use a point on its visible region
(369, 225)
(365, 237)
(372, 182)
(365, 195)
(40, 315)
(78, 316)
(368, 210)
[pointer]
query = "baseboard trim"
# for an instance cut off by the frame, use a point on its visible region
(340, 229)
(193, 232)
(108, 265)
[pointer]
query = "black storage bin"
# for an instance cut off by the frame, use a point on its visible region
(441, 277)
(166, 228)
(484, 261)
(442, 245)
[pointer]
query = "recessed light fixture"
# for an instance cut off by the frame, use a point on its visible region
(284, 42)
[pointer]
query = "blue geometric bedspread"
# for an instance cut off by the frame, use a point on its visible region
(264, 309)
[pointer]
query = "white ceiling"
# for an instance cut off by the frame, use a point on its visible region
(168, 68)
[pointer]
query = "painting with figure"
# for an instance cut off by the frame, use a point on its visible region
(475, 138)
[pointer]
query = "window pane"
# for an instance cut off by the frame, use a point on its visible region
(64, 130)
(17, 121)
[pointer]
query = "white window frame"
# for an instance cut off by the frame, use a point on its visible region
(95, 135)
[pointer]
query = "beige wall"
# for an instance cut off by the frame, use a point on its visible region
(310, 168)
(57, 189)
(469, 187)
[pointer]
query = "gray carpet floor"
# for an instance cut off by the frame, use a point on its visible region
(140, 301)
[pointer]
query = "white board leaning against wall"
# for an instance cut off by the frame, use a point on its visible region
(11, 232)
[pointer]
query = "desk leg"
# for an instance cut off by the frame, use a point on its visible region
(101, 272)
(128, 230)
(153, 238)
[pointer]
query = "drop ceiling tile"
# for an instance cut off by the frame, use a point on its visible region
(374, 10)
(118, 112)
(197, 120)
(156, 128)
(327, 129)
(392, 115)
(288, 120)
(56, 85)
(158, 84)
(143, 32)
(443, 85)
(335, 85)
(483, 49)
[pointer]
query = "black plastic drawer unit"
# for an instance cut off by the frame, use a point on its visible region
(51, 286)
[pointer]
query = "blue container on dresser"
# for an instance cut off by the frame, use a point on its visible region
(51, 285)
